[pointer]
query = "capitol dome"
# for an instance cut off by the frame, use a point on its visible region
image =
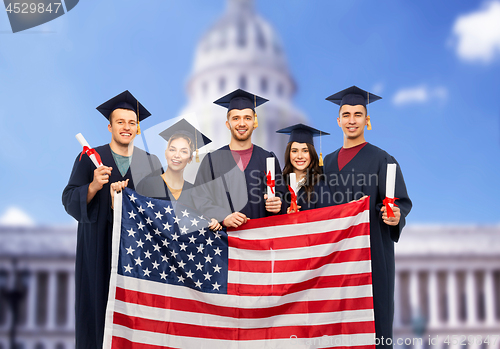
(241, 50)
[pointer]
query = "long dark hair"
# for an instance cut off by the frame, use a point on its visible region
(313, 171)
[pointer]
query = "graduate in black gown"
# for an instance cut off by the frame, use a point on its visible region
(360, 168)
(231, 182)
(183, 141)
(87, 199)
(302, 159)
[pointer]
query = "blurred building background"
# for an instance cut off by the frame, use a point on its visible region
(447, 277)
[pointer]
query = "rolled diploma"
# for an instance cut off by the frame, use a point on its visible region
(83, 143)
(293, 182)
(390, 183)
(270, 169)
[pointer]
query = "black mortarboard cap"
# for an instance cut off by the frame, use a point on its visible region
(124, 100)
(353, 96)
(240, 99)
(301, 133)
(185, 128)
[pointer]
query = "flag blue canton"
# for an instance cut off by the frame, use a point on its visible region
(174, 246)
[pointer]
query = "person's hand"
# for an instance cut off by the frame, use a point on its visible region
(116, 187)
(234, 220)
(392, 220)
(214, 225)
(289, 210)
(273, 205)
(101, 177)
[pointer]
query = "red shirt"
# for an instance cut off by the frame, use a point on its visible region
(242, 157)
(347, 154)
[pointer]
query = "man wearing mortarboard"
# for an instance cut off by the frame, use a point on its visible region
(357, 169)
(232, 181)
(87, 198)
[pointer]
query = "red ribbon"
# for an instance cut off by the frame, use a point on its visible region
(386, 202)
(270, 182)
(293, 204)
(91, 151)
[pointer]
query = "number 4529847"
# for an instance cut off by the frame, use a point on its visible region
(23, 7)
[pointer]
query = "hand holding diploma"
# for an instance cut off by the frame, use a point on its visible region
(293, 192)
(93, 155)
(390, 212)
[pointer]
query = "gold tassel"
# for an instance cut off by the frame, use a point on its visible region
(321, 159)
(197, 156)
(256, 123)
(369, 125)
(138, 128)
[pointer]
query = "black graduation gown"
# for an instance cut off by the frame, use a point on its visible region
(320, 197)
(222, 188)
(155, 187)
(93, 250)
(366, 174)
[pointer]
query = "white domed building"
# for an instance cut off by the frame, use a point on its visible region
(241, 50)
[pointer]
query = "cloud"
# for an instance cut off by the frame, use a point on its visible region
(477, 34)
(419, 95)
(378, 88)
(15, 217)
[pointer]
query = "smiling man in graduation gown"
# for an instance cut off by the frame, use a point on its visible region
(231, 183)
(360, 168)
(87, 198)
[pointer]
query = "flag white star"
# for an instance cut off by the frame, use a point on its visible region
(190, 256)
(202, 231)
(140, 243)
(184, 230)
(207, 276)
(157, 248)
(146, 272)
(192, 239)
(182, 264)
(132, 214)
(156, 265)
(177, 220)
(217, 235)
(168, 209)
(166, 226)
(209, 241)
(173, 253)
(175, 236)
(200, 248)
(130, 250)
(140, 209)
(199, 266)
(148, 236)
(183, 246)
(163, 275)
(201, 217)
(165, 242)
(181, 278)
(148, 254)
(217, 269)
(208, 259)
(164, 258)
(138, 261)
(218, 251)
(194, 222)
(131, 232)
(132, 197)
(128, 268)
(140, 226)
(216, 286)
(198, 284)
(150, 204)
(158, 215)
(157, 231)
(149, 220)
(172, 268)
(189, 274)
(185, 213)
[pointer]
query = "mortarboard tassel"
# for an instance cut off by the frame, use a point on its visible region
(256, 123)
(138, 126)
(321, 159)
(196, 141)
(369, 124)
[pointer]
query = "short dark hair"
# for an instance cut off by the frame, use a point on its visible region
(111, 114)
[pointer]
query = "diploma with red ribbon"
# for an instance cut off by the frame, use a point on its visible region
(92, 154)
(293, 192)
(270, 182)
(390, 186)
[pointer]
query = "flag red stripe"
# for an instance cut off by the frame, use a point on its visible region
(300, 307)
(224, 333)
(123, 343)
(284, 289)
(305, 240)
(361, 254)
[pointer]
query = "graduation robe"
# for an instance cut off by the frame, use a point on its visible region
(366, 174)
(155, 187)
(320, 197)
(222, 188)
(93, 250)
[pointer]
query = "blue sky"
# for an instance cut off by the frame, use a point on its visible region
(436, 65)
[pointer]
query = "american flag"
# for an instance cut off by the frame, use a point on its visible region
(301, 280)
